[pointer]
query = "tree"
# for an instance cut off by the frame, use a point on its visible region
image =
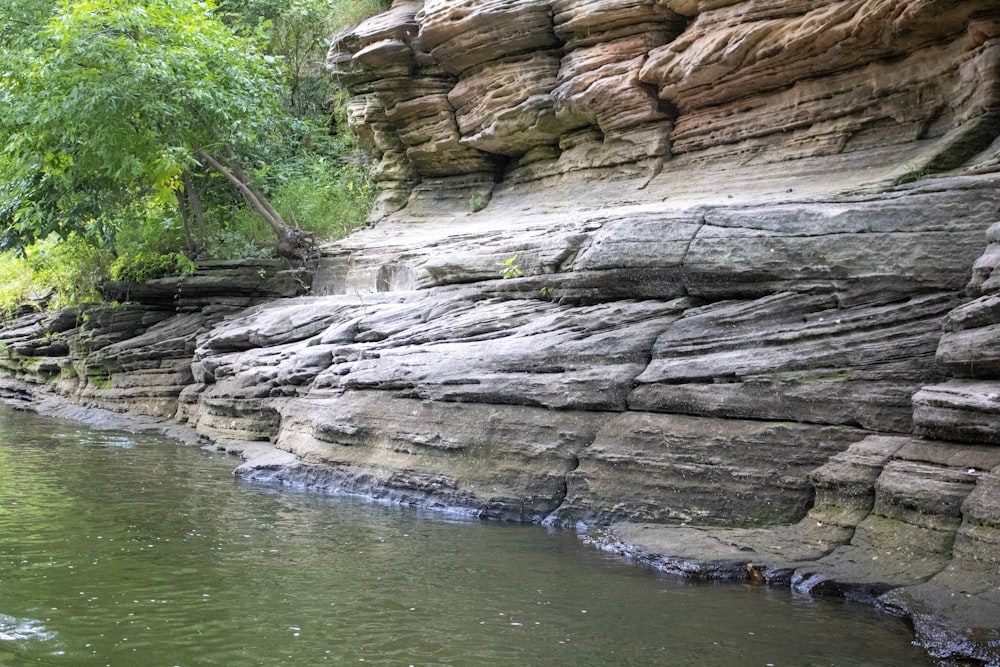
(299, 32)
(120, 99)
(21, 18)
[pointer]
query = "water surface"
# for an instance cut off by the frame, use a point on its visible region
(120, 549)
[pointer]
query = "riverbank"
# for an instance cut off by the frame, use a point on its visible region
(792, 555)
(705, 416)
(181, 564)
(716, 282)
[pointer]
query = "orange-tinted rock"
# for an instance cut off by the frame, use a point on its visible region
(797, 79)
(570, 85)
(462, 34)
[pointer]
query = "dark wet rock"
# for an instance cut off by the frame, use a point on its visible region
(136, 356)
(669, 469)
(955, 612)
(898, 522)
(507, 462)
(238, 284)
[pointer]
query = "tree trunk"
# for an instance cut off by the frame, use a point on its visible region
(291, 241)
(185, 221)
(233, 161)
(195, 202)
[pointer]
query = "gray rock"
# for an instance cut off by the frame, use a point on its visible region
(972, 353)
(507, 462)
(669, 469)
(731, 308)
(960, 410)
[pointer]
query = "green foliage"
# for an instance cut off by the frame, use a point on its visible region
(326, 198)
(911, 174)
(510, 269)
(17, 285)
(299, 33)
(19, 19)
(476, 203)
(243, 236)
(73, 268)
(104, 105)
(312, 177)
(117, 96)
(145, 265)
(348, 13)
(334, 15)
(148, 241)
(55, 272)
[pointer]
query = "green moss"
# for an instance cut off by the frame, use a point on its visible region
(99, 377)
(949, 541)
(28, 363)
(985, 527)
(911, 173)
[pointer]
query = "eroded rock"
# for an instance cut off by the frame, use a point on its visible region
(738, 294)
(570, 85)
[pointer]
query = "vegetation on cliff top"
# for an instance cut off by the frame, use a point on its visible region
(144, 135)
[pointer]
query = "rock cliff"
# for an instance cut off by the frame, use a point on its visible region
(749, 325)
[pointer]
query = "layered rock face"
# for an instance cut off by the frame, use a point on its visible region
(715, 276)
(134, 356)
(459, 97)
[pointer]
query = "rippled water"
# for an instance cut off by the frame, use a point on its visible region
(118, 549)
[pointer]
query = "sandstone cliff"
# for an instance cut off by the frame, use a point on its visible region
(754, 327)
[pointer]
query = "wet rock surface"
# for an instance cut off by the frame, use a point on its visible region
(749, 324)
(729, 423)
(897, 522)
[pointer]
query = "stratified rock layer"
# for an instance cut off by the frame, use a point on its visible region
(715, 277)
(135, 357)
(459, 94)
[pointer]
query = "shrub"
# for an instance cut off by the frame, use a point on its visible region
(73, 268)
(148, 241)
(17, 285)
(54, 272)
(326, 198)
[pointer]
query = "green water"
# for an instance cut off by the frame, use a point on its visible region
(119, 549)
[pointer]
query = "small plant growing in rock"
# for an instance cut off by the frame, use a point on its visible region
(477, 203)
(510, 269)
(912, 173)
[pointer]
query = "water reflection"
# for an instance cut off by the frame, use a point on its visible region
(119, 549)
(22, 630)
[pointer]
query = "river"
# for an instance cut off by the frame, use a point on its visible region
(124, 549)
